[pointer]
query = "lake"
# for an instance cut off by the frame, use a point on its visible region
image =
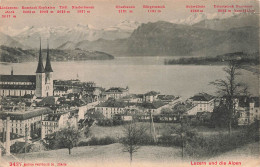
(140, 74)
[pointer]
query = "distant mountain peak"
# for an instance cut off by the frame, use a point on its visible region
(197, 17)
(86, 26)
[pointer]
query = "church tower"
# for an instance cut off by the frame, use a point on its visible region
(40, 77)
(48, 74)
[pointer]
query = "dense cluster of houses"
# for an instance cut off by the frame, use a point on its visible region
(76, 103)
(247, 108)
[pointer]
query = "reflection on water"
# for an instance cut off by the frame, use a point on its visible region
(139, 73)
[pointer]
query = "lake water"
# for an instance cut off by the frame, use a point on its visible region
(139, 74)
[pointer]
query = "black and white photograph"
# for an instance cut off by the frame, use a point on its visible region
(129, 83)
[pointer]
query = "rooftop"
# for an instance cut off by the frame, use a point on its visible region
(54, 116)
(116, 89)
(153, 105)
(202, 97)
(166, 97)
(61, 88)
(19, 87)
(18, 78)
(244, 101)
(151, 93)
(23, 115)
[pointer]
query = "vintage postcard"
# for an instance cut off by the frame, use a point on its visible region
(129, 83)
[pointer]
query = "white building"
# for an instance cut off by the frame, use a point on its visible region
(109, 112)
(24, 123)
(116, 92)
(54, 122)
(201, 102)
(150, 96)
(247, 109)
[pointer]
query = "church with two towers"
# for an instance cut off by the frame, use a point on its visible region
(40, 85)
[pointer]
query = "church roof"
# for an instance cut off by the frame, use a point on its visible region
(48, 67)
(18, 78)
(40, 68)
(18, 87)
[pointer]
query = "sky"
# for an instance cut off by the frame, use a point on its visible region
(105, 14)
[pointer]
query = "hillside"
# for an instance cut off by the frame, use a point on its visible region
(9, 41)
(115, 47)
(15, 55)
(208, 37)
(243, 59)
(168, 39)
(163, 38)
(236, 21)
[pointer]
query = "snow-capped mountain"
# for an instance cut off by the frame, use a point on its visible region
(9, 41)
(197, 17)
(125, 25)
(60, 34)
(57, 35)
(11, 31)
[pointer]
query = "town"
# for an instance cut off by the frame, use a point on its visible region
(34, 107)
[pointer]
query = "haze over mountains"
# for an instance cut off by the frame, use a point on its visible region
(198, 35)
(29, 36)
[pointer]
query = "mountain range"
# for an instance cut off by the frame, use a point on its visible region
(29, 36)
(204, 36)
(15, 55)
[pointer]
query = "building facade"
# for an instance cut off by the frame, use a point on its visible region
(116, 92)
(247, 109)
(201, 102)
(40, 85)
(54, 122)
(26, 124)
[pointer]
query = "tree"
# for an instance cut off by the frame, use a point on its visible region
(87, 132)
(166, 112)
(134, 135)
(185, 133)
(67, 137)
(229, 88)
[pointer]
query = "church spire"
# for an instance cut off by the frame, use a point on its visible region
(12, 71)
(40, 68)
(48, 60)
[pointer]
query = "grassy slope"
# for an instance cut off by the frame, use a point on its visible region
(112, 155)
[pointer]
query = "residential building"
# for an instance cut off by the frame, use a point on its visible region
(54, 122)
(150, 96)
(25, 123)
(247, 109)
(109, 112)
(116, 92)
(201, 102)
